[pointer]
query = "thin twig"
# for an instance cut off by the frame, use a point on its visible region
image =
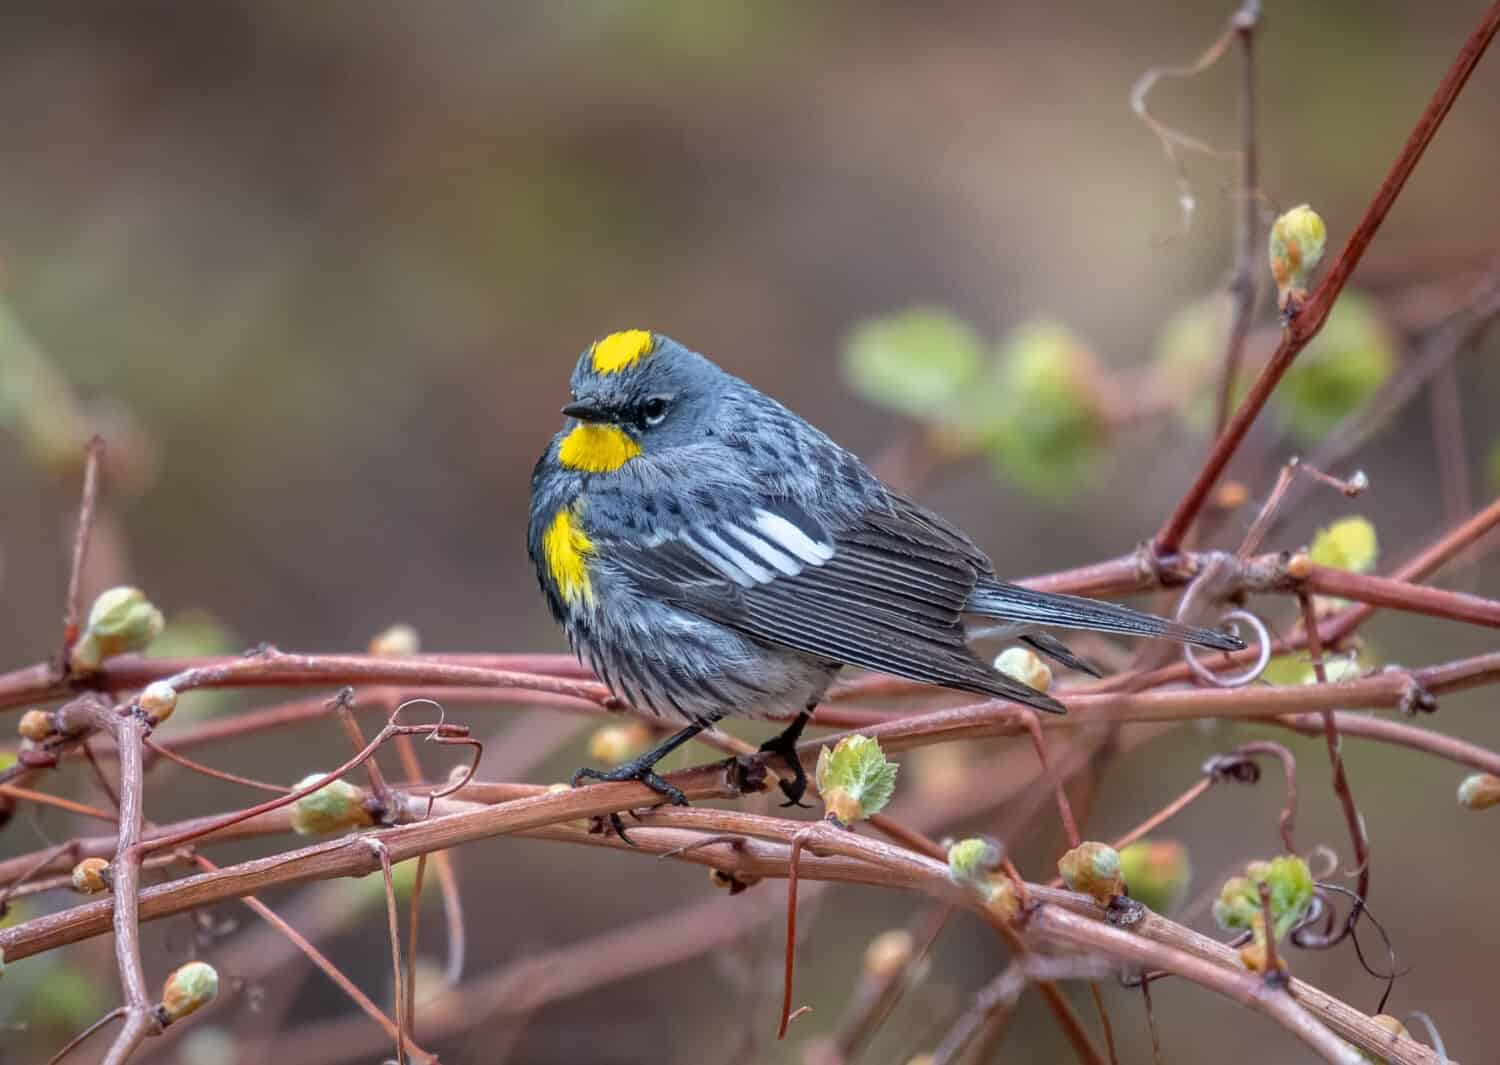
(87, 508)
(1353, 820)
(1243, 288)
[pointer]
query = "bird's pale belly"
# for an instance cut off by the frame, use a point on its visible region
(683, 668)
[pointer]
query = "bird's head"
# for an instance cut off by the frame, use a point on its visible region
(635, 393)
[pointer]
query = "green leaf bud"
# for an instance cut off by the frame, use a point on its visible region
(188, 989)
(972, 861)
(1238, 907)
(1093, 869)
(158, 699)
(121, 620)
(1297, 242)
(855, 778)
(337, 805)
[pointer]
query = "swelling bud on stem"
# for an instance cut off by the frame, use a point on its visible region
(1093, 869)
(1025, 667)
(1479, 791)
(35, 725)
(395, 642)
(1298, 240)
(158, 699)
(91, 876)
(337, 805)
(121, 620)
(187, 990)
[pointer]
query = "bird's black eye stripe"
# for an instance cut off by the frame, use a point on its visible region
(653, 410)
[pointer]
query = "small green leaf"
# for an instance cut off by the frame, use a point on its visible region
(1239, 908)
(855, 779)
(920, 362)
(1348, 544)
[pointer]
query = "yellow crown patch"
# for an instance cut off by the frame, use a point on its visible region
(619, 351)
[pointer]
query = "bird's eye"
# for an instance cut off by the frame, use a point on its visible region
(654, 410)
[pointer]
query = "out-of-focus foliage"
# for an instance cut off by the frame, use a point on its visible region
(1048, 432)
(923, 363)
(1338, 371)
(1188, 353)
(1031, 405)
(1156, 872)
(1349, 543)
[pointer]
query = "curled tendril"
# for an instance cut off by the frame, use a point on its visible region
(1235, 680)
(417, 701)
(441, 732)
(1326, 854)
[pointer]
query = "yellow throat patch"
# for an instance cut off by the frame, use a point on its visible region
(566, 548)
(619, 351)
(597, 449)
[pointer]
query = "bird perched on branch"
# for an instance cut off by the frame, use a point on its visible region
(709, 553)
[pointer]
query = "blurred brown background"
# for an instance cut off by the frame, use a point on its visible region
(335, 261)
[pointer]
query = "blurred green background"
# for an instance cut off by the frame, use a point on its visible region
(323, 270)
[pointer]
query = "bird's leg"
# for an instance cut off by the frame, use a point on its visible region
(642, 768)
(785, 744)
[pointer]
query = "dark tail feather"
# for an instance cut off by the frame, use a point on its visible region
(1058, 651)
(1010, 602)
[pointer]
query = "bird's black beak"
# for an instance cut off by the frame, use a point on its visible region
(585, 413)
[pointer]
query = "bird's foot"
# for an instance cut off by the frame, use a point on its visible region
(785, 745)
(638, 769)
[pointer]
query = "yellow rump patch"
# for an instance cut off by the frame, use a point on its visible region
(566, 548)
(619, 351)
(597, 449)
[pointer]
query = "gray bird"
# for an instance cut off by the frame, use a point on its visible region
(709, 553)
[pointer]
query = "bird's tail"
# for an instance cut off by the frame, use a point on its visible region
(1011, 602)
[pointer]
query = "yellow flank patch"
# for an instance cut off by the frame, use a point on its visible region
(566, 548)
(597, 449)
(619, 351)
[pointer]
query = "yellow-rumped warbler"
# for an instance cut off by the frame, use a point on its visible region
(709, 553)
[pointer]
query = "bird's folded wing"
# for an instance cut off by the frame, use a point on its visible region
(886, 591)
